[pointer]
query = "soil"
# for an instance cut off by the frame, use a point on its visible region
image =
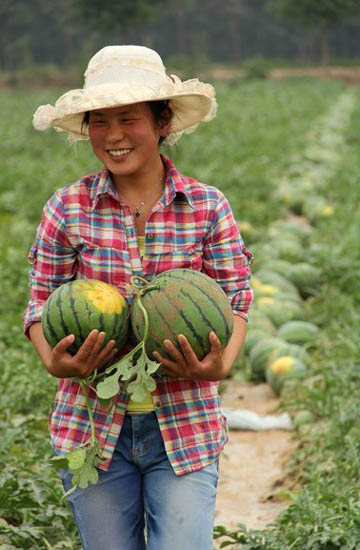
(252, 463)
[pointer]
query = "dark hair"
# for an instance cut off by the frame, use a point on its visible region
(160, 110)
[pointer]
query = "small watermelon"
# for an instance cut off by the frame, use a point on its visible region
(183, 301)
(272, 278)
(82, 305)
(279, 311)
(302, 418)
(282, 369)
(260, 354)
(305, 276)
(298, 332)
(289, 249)
(289, 350)
(253, 337)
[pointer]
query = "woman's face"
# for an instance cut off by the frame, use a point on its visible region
(126, 139)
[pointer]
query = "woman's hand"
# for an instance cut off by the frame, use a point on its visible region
(89, 357)
(185, 364)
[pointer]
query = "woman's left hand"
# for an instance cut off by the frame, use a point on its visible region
(185, 364)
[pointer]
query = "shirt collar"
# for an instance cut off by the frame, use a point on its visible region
(175, 184)
(103, 185)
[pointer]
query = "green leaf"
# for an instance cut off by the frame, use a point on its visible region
(152, 366)
(108, 388)
(76, 458)
(59, 462)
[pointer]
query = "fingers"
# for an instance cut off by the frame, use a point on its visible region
(64, 344)
(215, 343)
(90, 356)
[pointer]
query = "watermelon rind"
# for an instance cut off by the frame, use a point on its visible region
(299, 332)
(82, 305)
(260, 354)
(282, 369)
(183, 301)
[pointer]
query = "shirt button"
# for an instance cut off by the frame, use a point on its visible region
(150, 236)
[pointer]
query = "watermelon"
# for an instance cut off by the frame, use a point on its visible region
(289, 249)
(302, 418)
(257, 320)
(298, 332)
(80, 306)
(260, 354)
(280, 267)
(253, 337)
(282, 369)
(273, 278)
(289, 350)
(295, 226)
(280, 310)
(182, 301)
(304, 276)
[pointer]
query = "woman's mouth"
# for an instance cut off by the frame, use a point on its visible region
(117, 153)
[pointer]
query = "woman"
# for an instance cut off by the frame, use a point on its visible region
(139, 216)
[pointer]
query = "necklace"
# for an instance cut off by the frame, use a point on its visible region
(138, 209)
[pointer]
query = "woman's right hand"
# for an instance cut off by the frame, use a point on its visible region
(89, 357)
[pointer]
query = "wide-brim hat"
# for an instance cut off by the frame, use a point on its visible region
(123, 75)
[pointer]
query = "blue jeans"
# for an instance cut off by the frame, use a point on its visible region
(141, 491)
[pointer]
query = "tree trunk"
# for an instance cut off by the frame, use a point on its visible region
(324, 44)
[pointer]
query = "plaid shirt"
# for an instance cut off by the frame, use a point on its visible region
(88, 232)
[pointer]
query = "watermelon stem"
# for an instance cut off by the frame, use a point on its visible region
(93, 440)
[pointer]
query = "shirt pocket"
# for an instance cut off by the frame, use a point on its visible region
(168, 256)
(103, 263)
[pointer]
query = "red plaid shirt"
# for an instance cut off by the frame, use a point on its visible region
(88, 232)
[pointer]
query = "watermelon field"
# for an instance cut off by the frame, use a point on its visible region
(287, 155)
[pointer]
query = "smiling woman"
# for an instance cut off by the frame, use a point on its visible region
(139, 216)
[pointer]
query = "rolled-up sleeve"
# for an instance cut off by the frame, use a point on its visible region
(53, 259)
(226, 259)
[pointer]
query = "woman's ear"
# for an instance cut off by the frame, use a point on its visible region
(165, 122)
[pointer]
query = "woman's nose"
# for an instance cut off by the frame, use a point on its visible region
(114, 131)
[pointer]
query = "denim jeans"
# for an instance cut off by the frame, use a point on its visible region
(140, 493)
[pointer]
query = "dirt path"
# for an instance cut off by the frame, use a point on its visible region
(252, 462)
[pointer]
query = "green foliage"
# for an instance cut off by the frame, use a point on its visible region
(260, 135)
(255, 68)
(321, 11)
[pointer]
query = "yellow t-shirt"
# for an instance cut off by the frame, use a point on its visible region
(147, 404)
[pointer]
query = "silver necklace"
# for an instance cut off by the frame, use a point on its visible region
(138, 209)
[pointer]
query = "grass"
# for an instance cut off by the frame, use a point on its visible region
(261, 131)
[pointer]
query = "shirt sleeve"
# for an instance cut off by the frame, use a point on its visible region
(53, 260)
(227, 260)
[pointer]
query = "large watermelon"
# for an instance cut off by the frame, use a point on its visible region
(183, 301)
(80, 306)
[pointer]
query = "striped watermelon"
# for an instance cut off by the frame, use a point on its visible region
(183, 301)
(80, 306)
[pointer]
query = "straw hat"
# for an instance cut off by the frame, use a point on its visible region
(122, 75)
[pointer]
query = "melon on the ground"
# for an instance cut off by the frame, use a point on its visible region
(298, 332)
(260, 354)
(282, 369)
(183, 301)
(289, 350)
(305, 276)
(279, 311)
(80, 306)
(264, 276)
(253, 337)
(289, 249)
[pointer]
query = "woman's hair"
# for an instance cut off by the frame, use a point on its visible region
(160, 110)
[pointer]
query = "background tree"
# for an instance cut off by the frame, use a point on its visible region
(323, 14)
(124, 15)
